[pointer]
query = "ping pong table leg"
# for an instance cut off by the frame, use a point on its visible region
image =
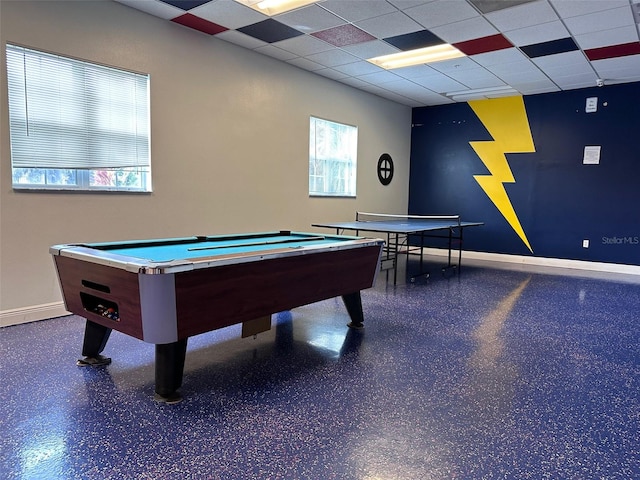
(460, 252)
(407, 248)
(421, 250)
(395, 261)
(449, 268)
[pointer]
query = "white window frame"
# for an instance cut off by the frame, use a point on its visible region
(333, 158)
(77, 125)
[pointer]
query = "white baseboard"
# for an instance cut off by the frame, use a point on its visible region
(539, 261)
(33, 313)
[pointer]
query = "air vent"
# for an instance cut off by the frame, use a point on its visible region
(488, 6)
(635, 8)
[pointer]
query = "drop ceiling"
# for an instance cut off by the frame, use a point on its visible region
(511, 46)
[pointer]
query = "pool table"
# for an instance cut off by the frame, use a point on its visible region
(163, 291)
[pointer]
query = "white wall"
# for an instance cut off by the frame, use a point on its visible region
(229, 144)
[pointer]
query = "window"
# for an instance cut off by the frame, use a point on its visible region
(76, 125)
(333, 154)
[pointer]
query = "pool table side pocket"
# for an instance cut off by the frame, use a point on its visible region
(86, 286)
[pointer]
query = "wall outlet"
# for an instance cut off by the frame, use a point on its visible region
(585, 243)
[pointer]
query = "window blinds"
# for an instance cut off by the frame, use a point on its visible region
(65, 113)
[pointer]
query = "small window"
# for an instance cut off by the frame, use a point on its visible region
(333, 156)
(76, 125)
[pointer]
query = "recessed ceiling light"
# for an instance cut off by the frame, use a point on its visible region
(274, 7)
(416, 57)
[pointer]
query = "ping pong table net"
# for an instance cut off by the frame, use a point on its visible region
(399, 218)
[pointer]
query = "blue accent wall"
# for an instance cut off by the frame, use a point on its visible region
(559, 201)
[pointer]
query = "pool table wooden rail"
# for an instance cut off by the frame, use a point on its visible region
(211, 298)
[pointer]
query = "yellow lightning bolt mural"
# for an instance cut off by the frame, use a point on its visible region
(506, 120)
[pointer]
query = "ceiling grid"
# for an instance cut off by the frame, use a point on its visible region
(511, 46)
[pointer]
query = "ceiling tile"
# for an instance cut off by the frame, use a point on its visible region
(414, 71)
(435, 14)
(405, 4)
(332, 74)
(371, 49)
(156, 8)
(579, 80)
(454, 65)
(237, 38)
(477, 78)
(356, 10)
(549, 48)
(488, 6)
(594, 22)
(353, 81)
(228, 13)
(343, 35)
(275, 52)
(524, 68)
(304, 45)
(185, 4)
(404, 87)
(516, 73)
(568, 9)
(431, 98)
(389, 25)
(469, 29)
(305, 64)
(270, 31)
(615, 70)
(526, 15)
(379, 78)
(484, 45)
(310, 19)
(200, 24)
(543, 32)
(384, 93)
(605, 38)
(412, 41)
(538, 86)
(439, 83)
(332, 58)
(614, 51)
(564, 63)
(358, 68)
(500, 57)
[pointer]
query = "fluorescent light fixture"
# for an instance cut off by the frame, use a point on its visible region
(274, 7)
(418, 56)
(489, 92)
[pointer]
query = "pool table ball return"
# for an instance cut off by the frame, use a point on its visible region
(164, 291)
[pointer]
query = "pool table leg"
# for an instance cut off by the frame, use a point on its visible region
(353, 302)
(95, 339)
(169, 369)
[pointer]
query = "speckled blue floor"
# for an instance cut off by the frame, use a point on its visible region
(496, 374)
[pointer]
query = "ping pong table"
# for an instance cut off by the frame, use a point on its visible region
(400, 229)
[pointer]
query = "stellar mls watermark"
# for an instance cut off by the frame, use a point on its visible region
(624, 240)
